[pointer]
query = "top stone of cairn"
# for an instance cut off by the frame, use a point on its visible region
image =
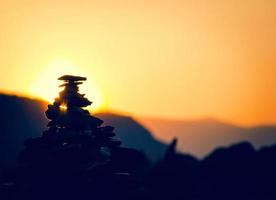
(71, 78)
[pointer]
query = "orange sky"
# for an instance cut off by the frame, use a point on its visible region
(167, 58)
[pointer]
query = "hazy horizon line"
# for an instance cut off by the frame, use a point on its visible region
(115, 111)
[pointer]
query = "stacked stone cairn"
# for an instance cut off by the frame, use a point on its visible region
(73, 136)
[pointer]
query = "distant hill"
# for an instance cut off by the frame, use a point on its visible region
(134, 135)
(200, 137)
(22, 118)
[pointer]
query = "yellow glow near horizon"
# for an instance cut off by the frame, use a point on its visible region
(46, 84)
(168, 59)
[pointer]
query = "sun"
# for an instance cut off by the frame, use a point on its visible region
(45, 86)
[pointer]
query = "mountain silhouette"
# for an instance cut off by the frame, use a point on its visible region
(134, 135)
(22, 118)
(50, 168)
(200, 137)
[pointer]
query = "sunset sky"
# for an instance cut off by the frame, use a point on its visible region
(178, 59)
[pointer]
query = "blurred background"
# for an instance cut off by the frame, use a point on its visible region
(201, 71)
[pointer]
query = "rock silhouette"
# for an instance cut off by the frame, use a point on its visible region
(27, 117)
(75, 150)
(79, 158)
(71, 129)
